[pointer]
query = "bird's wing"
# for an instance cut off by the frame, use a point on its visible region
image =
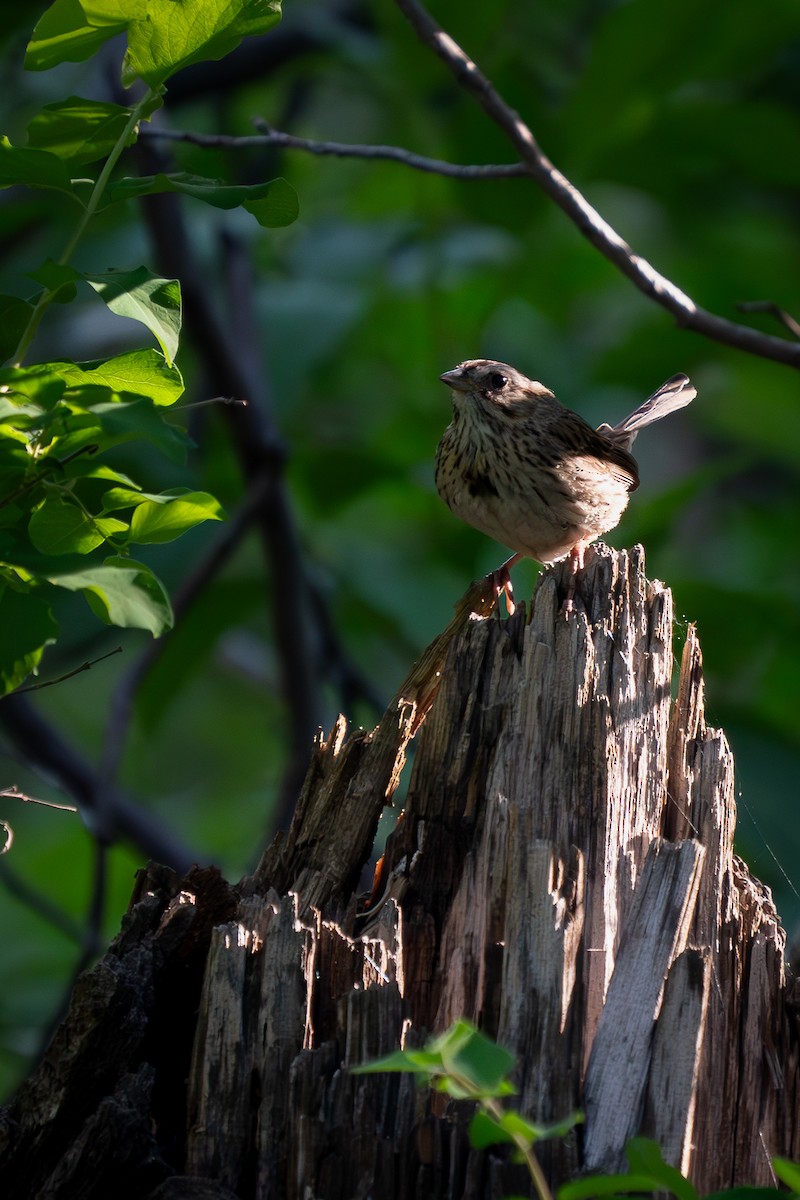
(580, 441)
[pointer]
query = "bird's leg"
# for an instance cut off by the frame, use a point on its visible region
(501, 582)
(576, 563)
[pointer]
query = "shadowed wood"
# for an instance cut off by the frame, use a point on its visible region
(563, 874)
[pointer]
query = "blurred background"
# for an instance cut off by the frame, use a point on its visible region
(685, 133)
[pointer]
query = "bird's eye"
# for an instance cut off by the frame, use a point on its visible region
(497, 381)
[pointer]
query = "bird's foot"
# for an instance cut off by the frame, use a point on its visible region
(576, 563)
(501, 583)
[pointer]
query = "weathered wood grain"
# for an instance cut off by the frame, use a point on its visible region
(563, 874)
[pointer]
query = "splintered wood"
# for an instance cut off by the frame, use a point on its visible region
(562, 874)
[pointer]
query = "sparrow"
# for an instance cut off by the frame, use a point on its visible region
(520, 467)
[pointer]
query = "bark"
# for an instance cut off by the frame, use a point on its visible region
(562, 874)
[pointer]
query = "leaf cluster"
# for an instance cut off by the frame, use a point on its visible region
(68, 519)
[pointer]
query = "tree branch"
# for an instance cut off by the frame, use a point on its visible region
(40, 743)
(605, 239)
(87, 666)
(231, 358)
(287, 141)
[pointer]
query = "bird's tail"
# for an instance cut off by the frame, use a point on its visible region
(676, 393)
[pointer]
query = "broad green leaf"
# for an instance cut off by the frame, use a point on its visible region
(485, 1131)
(173, 35)
(279, 207)
(645, 1157)
(41, 383)
(112, 12)
(138, 373)
(26, 629)
(414, 1062)
(126, 497)
(14, 316)
(82, 468)
(35, 168)
(476, 1059)
(788, 1172)
(127, 420)
(57, 278)
(81, 131)
(164, 519)
(273, 203)
(61, 527)
(606, 1185)
(144, 297)
(63, 34)
(512, 1125)
(121, 592)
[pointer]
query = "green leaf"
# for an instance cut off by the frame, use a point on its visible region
(41, 383)
(280, 206)
(138, 373)
(414, 1062)
(128, 420)
(512, 1126)
(173, 35)
(788, 1172)
(171, 514)
(34, 168)
(61, 527)
(14, 316)
(606, 1185)
(645, 1157)
(125, 497)
(57, 278)
(81, 131)
(144, 297)
(273, 203)
(63, 34)
(81, 468)
(121, 592)
(473, 1057)
(26, 629)
(485, 1131)
(111, 12)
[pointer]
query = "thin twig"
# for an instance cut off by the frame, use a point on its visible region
(398, 154)
(660, 289)
(769, 306)
(87, 666)
(233, 366)
(287, 141)
(13, 793)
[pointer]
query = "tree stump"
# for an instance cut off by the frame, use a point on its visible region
(562, 874)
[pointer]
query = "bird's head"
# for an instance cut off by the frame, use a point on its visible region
(495, 382)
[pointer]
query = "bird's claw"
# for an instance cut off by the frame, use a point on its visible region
(501, 585)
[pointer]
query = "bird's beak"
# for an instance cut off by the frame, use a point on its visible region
(455, 379)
